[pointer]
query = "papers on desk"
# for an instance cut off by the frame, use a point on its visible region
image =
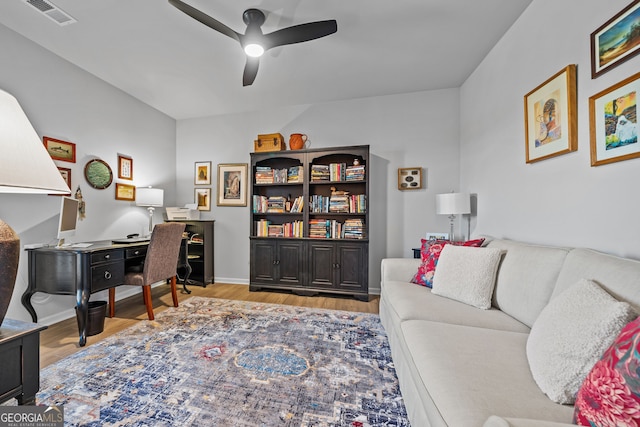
(81, 245)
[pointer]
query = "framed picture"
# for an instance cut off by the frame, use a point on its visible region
(409, 178)
(98, 174)
(202, 173)
(436, 236)
(232, 184)
(125, 192)
(550, 117)
(66, 175)
(613, 122)
(125, 167)
(616, 41)
(60, 150)
(202, 198)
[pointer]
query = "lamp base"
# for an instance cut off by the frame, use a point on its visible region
(9, 257)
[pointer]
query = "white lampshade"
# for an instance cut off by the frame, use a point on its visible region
(150, 197)
(25, 165)
(453, 203)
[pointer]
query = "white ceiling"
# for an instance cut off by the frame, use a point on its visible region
(177, 65)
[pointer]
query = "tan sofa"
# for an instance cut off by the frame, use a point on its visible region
(461, 366)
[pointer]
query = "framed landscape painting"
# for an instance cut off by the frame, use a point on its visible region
(616, 41)
(613, 122)
(550, 117)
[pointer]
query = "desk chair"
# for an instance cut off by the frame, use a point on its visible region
(160, 264)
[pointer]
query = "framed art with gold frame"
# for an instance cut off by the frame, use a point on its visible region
(550, 117)
(202, 198)
(613, 123)
(125, 192)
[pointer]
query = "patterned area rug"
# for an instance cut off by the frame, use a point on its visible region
(213, 362)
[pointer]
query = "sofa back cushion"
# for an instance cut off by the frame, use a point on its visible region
(618, 276)
(526, 278)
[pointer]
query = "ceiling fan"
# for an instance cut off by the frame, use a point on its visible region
(253, 41)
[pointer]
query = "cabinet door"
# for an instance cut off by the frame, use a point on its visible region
(290, 262)
(263, 261)
(351, 263)
(322, 264)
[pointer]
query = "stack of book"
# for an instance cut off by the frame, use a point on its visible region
(339, 203)
(319, 228)
(353, 229)
(276, 204)
(295, 174)
(354, 173)
(320, 173)
(264, 175)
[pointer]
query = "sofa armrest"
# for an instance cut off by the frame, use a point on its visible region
(495, 421)
(399, 269)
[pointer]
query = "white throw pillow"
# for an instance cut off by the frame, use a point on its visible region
(467, 274)
(570, 335)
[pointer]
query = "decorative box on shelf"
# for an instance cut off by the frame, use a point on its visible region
(269, 142)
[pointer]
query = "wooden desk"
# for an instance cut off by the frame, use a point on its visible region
(20, 361)
(80, 272)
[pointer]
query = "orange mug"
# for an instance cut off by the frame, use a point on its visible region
(297, 140)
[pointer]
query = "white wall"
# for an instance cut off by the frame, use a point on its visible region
(411, 130)
(64, 102)
(562, 200)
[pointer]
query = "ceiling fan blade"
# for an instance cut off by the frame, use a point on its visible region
(300, 33)
(205, 19)
(250, 71)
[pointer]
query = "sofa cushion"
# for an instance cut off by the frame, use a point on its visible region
(618, 276)
(467, 274)
(526, 278)
(570, 335)
(472, 373)
(610, 395)
(430, 253)
(406, 301)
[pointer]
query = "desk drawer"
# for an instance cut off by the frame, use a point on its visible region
(106, 276)
(136, 252)
(106, 256)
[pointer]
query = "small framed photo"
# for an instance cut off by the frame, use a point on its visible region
(202, 198)
(232, 184)
(60, 150)
(202, 173)
(616, 41)
(125, 192)
(550, 117)
(436, 236)
(66, 175)
(409, 178)
(125, 167)
(613, 122)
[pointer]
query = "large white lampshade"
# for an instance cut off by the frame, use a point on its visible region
(453, 204)
(150, 198)
(25, 167)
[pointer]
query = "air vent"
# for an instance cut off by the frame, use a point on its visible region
(51, 11)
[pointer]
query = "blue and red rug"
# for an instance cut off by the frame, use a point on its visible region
(213, 362)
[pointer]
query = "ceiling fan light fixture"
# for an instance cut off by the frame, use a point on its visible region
(254, 50)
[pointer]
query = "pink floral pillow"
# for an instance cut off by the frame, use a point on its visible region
(430, 252)
(610, 395)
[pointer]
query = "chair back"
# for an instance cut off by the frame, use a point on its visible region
(162, 255)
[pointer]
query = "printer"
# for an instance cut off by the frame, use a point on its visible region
(189, 212)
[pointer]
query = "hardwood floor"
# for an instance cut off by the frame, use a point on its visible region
(61, 339)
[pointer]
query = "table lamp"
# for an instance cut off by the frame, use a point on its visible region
(25, 167)
(151, 198)
(453, 204)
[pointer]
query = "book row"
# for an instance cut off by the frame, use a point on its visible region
(276, 204)
(264, 228)
(337, 172)
(267, 175)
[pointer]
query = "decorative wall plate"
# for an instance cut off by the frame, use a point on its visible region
(98, 174)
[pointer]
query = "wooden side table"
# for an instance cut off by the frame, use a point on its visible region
(19, 361)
